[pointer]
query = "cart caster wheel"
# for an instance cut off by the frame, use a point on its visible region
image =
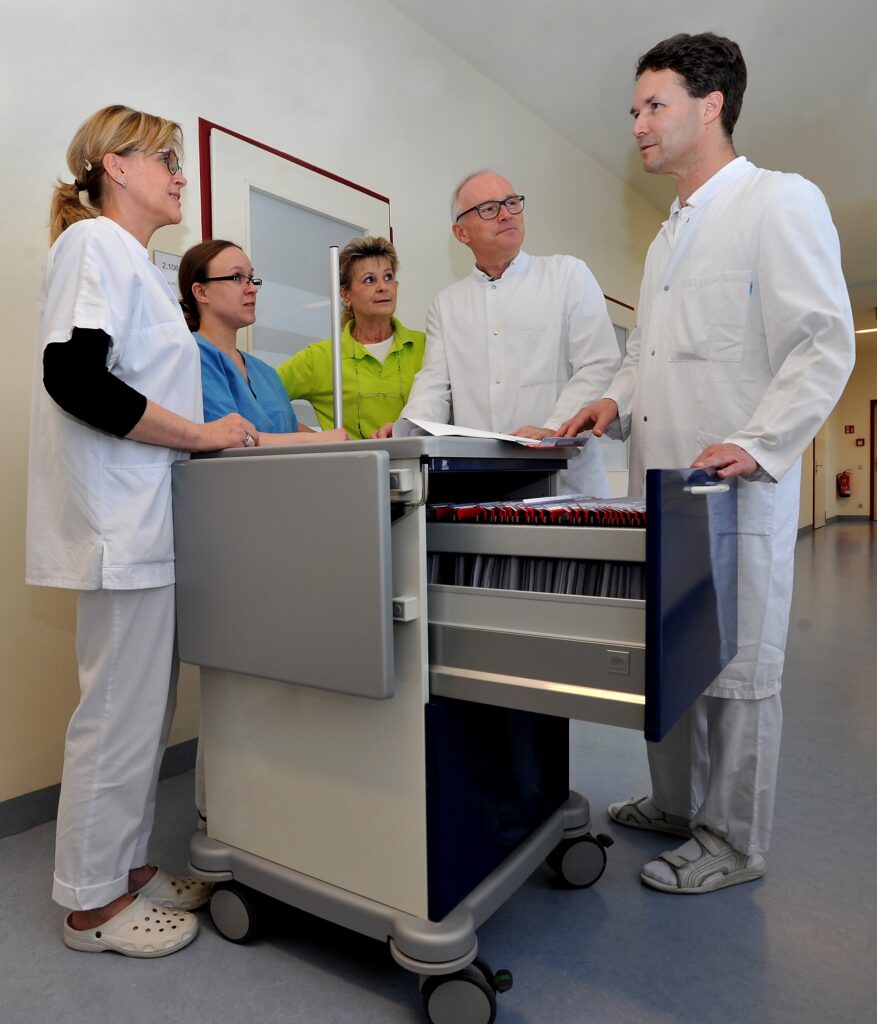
(581, 861)
(499, 981)
(233, 913)
(465, 997)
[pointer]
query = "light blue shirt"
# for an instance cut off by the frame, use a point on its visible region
(262, 399)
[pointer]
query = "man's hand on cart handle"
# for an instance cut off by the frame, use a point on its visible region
(728, 459)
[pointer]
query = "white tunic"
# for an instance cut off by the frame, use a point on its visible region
(531, 347)
(745, 336)
(99, 507)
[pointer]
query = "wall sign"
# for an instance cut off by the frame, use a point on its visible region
(169, 264)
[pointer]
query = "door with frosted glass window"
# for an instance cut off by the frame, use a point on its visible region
(286, 215)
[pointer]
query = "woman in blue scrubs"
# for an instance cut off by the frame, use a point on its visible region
(219, 292)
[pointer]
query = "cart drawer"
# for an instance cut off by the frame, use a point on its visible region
(615, 659)
(577, 657)
(561, 616)
(605, 544)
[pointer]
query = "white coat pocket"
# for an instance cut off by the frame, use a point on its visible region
(136, 520)
(756, 507)
(543, 359)
(710, 317)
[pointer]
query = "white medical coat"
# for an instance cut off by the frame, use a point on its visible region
(531, 347)
(745, 336)
(99, 507)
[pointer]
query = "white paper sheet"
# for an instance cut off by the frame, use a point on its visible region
(418, 428)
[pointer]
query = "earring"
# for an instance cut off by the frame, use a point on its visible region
(119, 181)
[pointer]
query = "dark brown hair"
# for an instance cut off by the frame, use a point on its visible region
(193, 269)
(706, 63)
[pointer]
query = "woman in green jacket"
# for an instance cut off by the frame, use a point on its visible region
(379, 355)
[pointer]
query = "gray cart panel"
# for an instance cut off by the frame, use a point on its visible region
(284, 568)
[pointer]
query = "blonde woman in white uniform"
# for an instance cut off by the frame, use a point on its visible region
(117, 400)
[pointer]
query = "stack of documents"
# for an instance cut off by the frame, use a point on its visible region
(564, 510)
(575, 576)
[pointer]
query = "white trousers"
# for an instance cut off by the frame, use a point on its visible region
(717, 767)
(125, 644)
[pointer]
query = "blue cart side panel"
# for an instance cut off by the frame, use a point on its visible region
(691, 590)
(493, 775)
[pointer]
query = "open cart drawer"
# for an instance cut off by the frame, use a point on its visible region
(636, 661)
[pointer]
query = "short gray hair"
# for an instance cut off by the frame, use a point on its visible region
(455, 198)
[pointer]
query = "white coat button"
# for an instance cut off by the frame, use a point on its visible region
(645, 419)
(666, 287)
(495, 333)
(499, 380)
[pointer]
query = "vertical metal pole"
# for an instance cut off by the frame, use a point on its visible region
(335, 297)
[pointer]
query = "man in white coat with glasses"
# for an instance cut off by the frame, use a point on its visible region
(521, 342)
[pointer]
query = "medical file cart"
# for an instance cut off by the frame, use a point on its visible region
(392, 755)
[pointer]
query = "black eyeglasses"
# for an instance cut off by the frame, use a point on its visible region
(170, 159)
(490, 209)
(243, 279)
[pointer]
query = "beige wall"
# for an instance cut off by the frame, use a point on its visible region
(348, 86)
(805, 511)
(854, 409)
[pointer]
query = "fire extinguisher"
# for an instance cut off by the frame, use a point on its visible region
(844, 484)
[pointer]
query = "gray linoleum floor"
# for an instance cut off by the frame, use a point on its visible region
(796, 947)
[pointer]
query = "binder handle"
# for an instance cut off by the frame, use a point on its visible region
(708, 488)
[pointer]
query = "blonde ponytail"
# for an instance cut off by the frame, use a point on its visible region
(66, 208)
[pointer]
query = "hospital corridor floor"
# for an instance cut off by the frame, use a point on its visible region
(796, 947)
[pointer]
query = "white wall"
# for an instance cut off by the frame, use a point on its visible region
(350, 86)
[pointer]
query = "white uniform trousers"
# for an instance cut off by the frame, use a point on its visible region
(128, 667)
(717, 767)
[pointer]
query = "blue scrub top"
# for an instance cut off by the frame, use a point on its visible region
(263, 401)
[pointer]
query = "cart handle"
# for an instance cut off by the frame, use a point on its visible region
(708, 488)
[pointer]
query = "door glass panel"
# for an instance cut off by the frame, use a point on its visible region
(290, 252)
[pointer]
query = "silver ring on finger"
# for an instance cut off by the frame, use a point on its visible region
(248, 441)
